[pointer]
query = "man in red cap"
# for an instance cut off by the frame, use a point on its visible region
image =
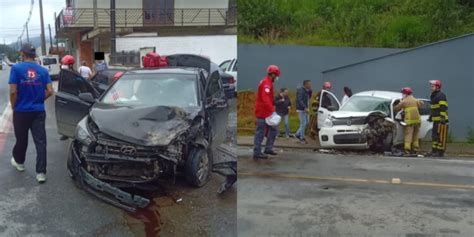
(439, 117)
(264, 108)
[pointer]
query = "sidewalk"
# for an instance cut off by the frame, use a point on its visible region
(458, 149)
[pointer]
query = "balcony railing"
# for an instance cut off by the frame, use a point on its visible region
(89, 17)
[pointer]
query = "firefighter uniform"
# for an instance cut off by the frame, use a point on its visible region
(312, 128)
(412, 120)
(439, 116)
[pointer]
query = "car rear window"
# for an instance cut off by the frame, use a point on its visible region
(49, 61)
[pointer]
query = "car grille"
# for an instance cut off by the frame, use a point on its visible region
(349, 121)
(350, 139)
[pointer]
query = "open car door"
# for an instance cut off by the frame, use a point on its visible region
(70, 108)
(327, 103)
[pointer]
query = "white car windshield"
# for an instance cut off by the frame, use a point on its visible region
(174, 90)
(367, 104)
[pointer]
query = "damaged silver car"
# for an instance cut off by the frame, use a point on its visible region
(149, 125)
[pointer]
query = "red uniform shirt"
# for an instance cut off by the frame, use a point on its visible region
(264, 102)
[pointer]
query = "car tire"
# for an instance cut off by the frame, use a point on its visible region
(71, 168)
(198, 167)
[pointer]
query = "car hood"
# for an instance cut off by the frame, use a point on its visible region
(347, 114)
(149, 126)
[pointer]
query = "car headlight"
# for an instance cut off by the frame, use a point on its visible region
(327, 123)
(82, 133)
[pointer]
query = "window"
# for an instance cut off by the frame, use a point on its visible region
(174, 90)
(329, 102)
(214, 85)
(72, 83)
(49, 61)
(425, 108)
(225, 65)
(235, 66)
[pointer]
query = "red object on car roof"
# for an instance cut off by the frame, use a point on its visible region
(154, 60)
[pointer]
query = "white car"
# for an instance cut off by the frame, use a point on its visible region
(230, 67)
(50, 62)
(343, 126)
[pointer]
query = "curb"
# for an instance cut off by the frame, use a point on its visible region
(316, 148)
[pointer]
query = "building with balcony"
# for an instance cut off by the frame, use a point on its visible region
(86, 24)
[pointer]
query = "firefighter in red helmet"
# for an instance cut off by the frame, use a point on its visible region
(264, 108)
(439, 117)
(67, 62)
(411, 122)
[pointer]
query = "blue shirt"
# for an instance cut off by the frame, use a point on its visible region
(31, 80)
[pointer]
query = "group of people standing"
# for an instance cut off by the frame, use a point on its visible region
(266, 106)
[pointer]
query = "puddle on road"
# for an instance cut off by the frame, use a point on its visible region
(148, 222)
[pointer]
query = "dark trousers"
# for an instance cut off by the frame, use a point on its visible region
(439, 137)
(260, 134)
(36, 122)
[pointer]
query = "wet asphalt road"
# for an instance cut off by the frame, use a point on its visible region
(58, 208)
(313, 194)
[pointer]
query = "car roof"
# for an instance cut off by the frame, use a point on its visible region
(172, 70)
(381, 94)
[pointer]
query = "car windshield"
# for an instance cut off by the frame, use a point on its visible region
(367, 104)
(174, 90)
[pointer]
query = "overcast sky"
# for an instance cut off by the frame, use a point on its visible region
(14, 13)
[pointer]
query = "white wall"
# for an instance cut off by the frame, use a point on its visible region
(201, 3)
(217, 48)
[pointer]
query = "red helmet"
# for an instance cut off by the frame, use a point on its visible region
(437, 83)
(327, 85)
(273, 69)
(407, 91)
(68, 60)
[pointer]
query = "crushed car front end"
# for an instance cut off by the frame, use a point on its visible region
(343, 132)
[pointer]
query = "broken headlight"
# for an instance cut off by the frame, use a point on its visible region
(82, 133)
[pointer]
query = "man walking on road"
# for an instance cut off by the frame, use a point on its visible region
(412, 121)
(439, 117)
(30, 86)
(85, 71)
(283, 105)
(303, 97)
(265, 108)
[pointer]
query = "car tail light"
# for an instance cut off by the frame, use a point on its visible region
(231, 80)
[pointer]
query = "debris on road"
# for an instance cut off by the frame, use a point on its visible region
(396, 181)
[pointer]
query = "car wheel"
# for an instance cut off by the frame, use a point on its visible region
(71, 168)
(198, 167)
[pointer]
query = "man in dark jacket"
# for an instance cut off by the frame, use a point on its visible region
(439, 117)
(283, 105)
(303, 96)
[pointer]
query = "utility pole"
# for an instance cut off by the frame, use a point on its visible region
(27, 35)
(112, 27)
(43, 41)
(55, 34)
(50, 39)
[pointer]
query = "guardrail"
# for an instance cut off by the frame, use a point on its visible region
(137, 17)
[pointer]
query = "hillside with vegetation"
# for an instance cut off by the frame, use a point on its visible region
(360, 23)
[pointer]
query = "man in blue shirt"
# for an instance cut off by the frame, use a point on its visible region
(30, 86)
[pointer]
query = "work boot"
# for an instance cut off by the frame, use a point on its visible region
(260, 156)
(270, 152)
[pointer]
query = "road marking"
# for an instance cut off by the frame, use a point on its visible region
(354, 180)
(5, 126)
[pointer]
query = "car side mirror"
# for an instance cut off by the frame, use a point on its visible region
(332, 108)
(87, 97)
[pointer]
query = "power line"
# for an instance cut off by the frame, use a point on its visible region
(28, 19)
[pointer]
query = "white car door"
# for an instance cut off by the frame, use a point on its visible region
(328, 103)
(425, 128)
